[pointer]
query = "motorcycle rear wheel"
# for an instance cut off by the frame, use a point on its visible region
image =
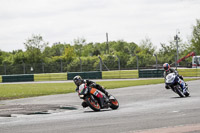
(94, 105)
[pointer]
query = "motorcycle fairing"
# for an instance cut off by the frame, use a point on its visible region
(98, 94)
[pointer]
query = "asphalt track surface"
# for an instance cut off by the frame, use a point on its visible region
(143, 109)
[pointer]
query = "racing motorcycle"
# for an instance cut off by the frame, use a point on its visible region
(95, 99)
(173, 81)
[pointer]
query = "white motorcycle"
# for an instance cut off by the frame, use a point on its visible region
(174, 83)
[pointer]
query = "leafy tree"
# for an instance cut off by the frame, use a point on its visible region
(66, 57)
(1, 57)
(34, 48)
(6, 57)
(88, 50)
(57, 49)
(48, 52)
(19, 57)
(132, 48)
(196, 37)
(145, 53)
(96, 52)
(102, 47)
(78, 45)
(69, 53)
(8, 60)
(168, 53)
(88, 64)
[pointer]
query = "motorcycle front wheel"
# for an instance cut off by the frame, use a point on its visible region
(179, 91)
(187, 93)
(114, 103)
(93, 104)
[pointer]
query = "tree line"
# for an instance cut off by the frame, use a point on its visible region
(83, 56)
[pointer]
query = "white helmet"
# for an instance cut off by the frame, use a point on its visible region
(77, 80)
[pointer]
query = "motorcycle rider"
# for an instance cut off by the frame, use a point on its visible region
(169, 70)
(78, 81)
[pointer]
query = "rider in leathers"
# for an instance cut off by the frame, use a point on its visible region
(169, 70)
(78, 81)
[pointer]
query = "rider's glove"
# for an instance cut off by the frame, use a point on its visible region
(181, 77)
(167, 87)
(93, 85)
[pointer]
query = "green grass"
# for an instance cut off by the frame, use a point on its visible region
(127, 83)
(50, 77)
(124, 74)
(13, 91)
(193, 72)
(0, 79)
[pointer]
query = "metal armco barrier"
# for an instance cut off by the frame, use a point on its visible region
(85, 75)
(150, 73)
(17, 78)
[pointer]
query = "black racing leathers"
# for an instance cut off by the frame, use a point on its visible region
(93, 84)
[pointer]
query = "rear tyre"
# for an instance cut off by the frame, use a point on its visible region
(93, 104)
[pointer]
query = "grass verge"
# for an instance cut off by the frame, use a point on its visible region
(50, 77)
(189, 72)
(13, 91)
(124, 74)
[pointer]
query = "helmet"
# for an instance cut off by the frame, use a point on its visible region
(166, 66)
(77, 80)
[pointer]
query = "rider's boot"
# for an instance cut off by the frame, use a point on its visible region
(183, 86)
(184, 91)
(186, 84)
(104, 91)
(167, 86)
(84, 104)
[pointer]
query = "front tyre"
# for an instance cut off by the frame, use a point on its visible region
(93, 104)
(187, 93)
(114, 103)
(179, 91)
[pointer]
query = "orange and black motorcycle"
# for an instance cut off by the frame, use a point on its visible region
(95, 99)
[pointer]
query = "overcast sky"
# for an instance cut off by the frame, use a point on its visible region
(66, 20)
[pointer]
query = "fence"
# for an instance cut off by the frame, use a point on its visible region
(122, 74)
(43, 68)
(59, 67)
(110, 68)
(82, 64)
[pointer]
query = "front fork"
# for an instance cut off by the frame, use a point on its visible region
(182, 84)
